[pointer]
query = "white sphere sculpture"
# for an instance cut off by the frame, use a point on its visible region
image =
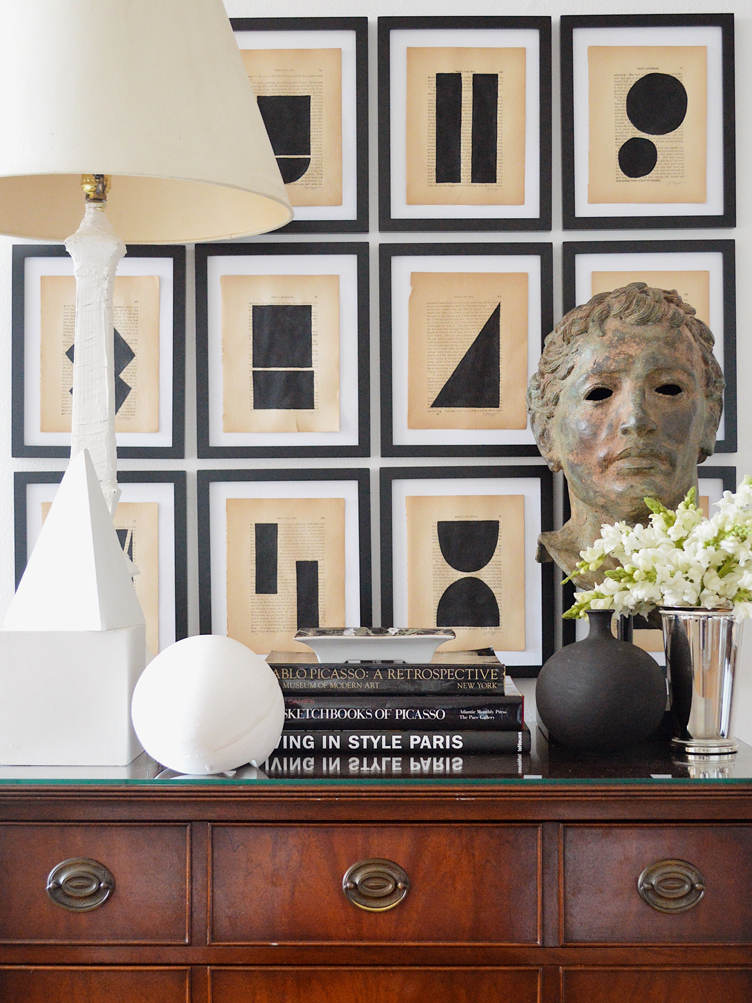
(208, 704)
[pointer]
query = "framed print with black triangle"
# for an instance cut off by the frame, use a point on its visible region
(462, 327)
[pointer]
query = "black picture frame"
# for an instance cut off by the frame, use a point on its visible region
(354, 440)
(21, 424)
(538, 214)
(722, 301)
(305, 477)
(178, 579)
(574, 139)
(357, 161)
(394, 405)
(725, 474)
(539, 598)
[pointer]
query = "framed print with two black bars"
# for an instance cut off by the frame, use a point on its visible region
(464, 123)
(280, 550)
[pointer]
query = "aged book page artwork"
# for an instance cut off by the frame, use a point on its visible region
(465, 126)
(466, 568)
(280, 353)
(648, 124)
(467, 350)
(299, 93)
(692, 286)
(137, 527)
(285, 569)
(136, 317)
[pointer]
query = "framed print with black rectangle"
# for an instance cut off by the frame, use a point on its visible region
(150, 521)
(283, 549)
(464, 123)
(458, 549)
(703, 272)
(310, 77)
(647, 121)
(149, 351)
(282, 349)
(462, 327)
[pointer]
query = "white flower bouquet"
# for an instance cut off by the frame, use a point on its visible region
(681, 558)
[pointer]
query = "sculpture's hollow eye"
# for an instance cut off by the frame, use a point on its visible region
(598, 394)
(669, 389)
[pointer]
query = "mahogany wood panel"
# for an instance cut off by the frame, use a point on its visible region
(150, 866)
(656, 985)
(374, 985)
(601, 865)
(468, 884)
(94, 985)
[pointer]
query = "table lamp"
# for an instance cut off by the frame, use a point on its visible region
(137, 115)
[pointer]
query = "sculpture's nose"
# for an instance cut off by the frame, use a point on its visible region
(635, 419)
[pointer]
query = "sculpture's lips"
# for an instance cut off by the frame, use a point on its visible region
(640, 456)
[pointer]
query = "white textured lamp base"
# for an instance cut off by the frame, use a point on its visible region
(65, 696)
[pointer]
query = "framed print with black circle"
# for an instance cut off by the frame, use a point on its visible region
(310, 77)
(151, 524)
(464, 123)
(712, 481)
(458, 549)
(703, 272)
(647, 121)
(282, 349)
(149, 351)
(462, 327)
(280, 550)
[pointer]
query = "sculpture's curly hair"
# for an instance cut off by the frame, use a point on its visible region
(637, 304)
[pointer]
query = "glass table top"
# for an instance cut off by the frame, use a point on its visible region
(547, 764)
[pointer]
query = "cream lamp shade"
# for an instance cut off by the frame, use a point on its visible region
(150, 92)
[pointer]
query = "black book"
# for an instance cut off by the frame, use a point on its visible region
(432, 712)
(394, 766)
(390, 678)
(419, 743)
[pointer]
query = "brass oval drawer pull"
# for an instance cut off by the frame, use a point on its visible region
(80, 884)
(375, 884)
(671, 885)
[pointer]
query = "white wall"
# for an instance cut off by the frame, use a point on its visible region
(371, 8)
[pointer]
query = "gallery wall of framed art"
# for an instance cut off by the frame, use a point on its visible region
(333, 405)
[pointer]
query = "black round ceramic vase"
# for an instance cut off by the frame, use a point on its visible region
(601, 694)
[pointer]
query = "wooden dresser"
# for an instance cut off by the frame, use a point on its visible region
(511, 889)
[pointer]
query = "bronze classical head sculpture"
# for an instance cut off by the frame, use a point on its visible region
(626, 401)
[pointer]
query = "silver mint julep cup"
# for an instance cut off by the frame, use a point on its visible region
(701, 651)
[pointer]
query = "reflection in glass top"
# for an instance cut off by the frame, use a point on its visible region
(546, 764)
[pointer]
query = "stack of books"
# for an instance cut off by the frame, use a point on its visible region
(458, 714)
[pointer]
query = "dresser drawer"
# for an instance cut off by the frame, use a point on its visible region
(149, 865)
(467, 884)
(656, 985)
(43, 984)
(704, 898)
(374, 985)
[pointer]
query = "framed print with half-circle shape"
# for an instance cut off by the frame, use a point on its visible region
(310, 77)
(647, 107)
(458, 549)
